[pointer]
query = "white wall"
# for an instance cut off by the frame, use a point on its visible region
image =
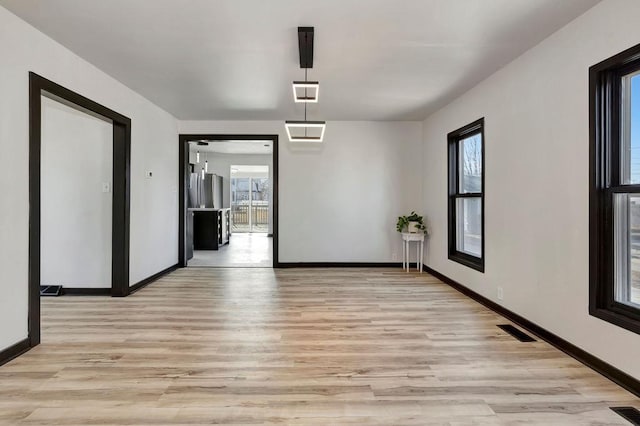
(339, 200)
(75, 234)
(537, 181)
(154, 202)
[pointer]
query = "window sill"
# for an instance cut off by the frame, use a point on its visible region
(469, 261)
(616, 318)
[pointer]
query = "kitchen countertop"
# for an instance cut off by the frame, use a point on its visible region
(206, 209)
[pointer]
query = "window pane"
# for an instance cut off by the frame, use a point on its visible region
(469, 226)
(630, 129)
(470, 163)
(240, 189)
(627, 248)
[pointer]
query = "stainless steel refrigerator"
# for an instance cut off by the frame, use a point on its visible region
(205, 192)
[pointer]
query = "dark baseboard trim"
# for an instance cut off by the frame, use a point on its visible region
(137, 286)
(607, 370)
(14, 350)
(338, 265)
(71, 291)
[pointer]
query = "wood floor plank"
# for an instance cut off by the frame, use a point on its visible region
(296, 346)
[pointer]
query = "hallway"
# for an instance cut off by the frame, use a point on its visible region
(297, 346)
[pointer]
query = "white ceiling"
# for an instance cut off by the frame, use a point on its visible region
(234, 147)
(235, 59)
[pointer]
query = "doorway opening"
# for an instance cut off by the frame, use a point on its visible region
(49, 102)
(250, 199)
(75, 200)
(229, 201)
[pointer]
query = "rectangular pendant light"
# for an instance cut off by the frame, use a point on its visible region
(303, 127)
(301, 91)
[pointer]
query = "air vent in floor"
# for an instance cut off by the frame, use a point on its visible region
(629, 413)
(523, 337)
(50, 290)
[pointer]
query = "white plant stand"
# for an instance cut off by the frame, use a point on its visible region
(407, 238)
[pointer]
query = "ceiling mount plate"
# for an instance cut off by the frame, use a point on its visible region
(305, 45)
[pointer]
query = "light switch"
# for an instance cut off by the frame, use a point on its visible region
(106, 187)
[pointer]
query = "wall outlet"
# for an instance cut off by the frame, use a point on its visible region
(149, 174)
(106, 187)
(500, 293)
(394, 256)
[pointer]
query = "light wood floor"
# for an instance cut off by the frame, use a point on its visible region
(315, 346)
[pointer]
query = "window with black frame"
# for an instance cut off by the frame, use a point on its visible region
(466, 195)
(614, 87)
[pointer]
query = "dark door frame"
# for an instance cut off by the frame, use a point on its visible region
(121, 188)
(183, 178)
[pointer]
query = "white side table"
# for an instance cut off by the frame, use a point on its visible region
(407, 238)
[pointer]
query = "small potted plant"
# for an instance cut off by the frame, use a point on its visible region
(413, 224)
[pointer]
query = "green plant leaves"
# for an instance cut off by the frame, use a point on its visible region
(403, 222)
